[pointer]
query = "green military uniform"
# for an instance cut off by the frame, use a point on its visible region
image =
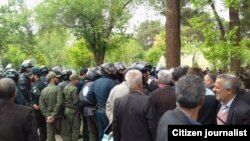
(72, 127)
(50, 103)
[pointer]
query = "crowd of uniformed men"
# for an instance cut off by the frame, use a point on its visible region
(126, 103)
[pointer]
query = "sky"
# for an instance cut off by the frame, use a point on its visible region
(142, 13)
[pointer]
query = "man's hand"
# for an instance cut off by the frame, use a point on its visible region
(50, 119)
(36, 107)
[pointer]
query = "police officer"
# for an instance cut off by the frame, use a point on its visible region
(36, 89)
(13, 74)
(50, 103)
(88, 108)
(65, 78)
(99, 92)
(145, 68)
(71, 113)
(44, 71)
(25, 86)
(120, 68)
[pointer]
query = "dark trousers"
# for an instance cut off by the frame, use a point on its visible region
(41, 125)
(93, 128)
(85, 131)
(102, 120)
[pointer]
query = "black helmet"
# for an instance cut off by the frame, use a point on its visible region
(108, 69)
(66, 74)
(93, 74)
(119, 66)
(44, 70)
(12, 73)
(57, 70)
(29, 65)
(142, 66)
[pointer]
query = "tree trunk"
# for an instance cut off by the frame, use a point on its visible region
(233, 23)
(173, 33)
(99, 58)
(218, 20)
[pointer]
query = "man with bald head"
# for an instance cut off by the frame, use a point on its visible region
(17, 122)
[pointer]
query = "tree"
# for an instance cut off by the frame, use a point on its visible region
(234, 24)
(173, 33)
(146, 33)
(128, 51)
(52, 44)
(79, 55)
(158, 50)
(93, 21)
(14, 56)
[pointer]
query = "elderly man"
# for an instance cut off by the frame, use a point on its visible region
(134, 114)
(190, 91)
(234, 106)
(17, 122)
(164, 97)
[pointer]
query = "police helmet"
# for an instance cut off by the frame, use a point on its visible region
(142, 66)
(44, 70)
(93, 74)
(12, 73)
(66, 74)
(108, 69)
(119, 66)
(57, 70)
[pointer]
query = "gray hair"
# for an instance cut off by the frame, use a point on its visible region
(133, 78)
(230, 81)
(165, 76)
(190, 91)
(7, 88)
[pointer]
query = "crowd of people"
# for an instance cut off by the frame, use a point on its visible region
(135, 103)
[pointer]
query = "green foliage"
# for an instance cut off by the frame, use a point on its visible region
(51, 47)
(93, 21)
(127, 52)
(79, 55)
(147, 31)
(153, 54)
(14, 56)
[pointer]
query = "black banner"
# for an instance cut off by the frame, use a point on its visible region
(208, 132)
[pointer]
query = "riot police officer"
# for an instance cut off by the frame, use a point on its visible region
(25, 86)
(120, 68)
(64, 79)
(36, 89)
(13, 74)
(145, 68)
(44, 71)
(100, 91)
(87, 108)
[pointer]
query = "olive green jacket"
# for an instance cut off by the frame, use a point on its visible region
(51, 100)
(71, 96)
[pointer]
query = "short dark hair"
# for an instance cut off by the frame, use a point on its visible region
(83, 71)
(7, 88)
(190, 91)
